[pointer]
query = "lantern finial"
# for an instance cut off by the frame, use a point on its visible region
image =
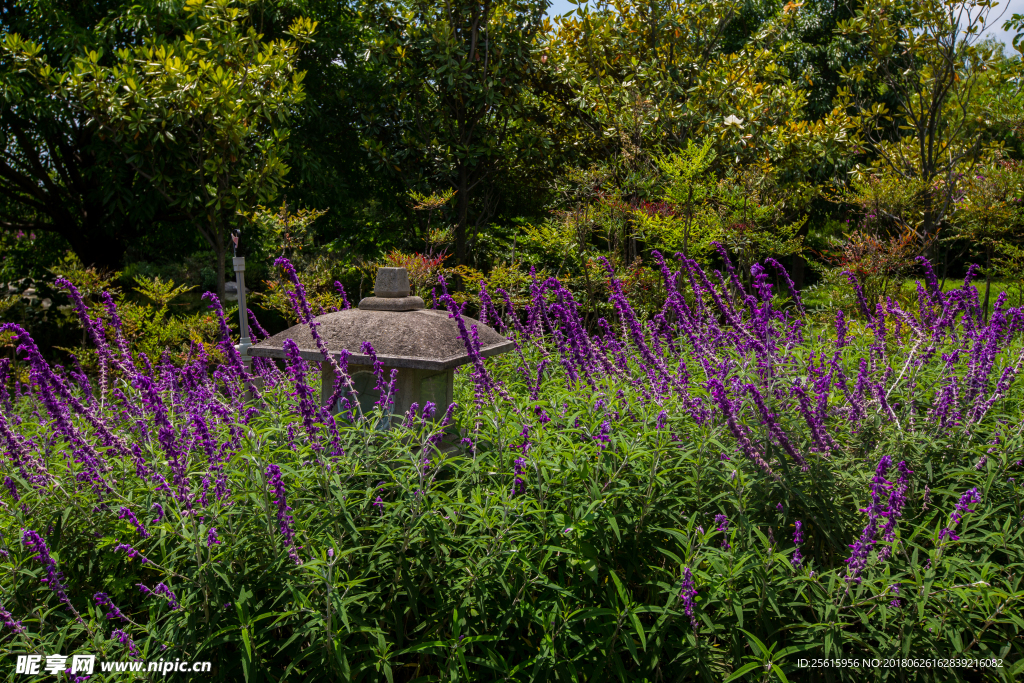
(391, 292)
(392, 283)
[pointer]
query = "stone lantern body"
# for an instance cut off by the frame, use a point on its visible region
(422, 344)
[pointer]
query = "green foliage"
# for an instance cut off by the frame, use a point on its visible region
(651, 73)
(420, 560)
(453, 111)
(281, 232)
(201, 117)
(990, 217)
(932, 63)
(58, 179)
(878, 262)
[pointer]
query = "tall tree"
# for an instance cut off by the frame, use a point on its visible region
(453, 96)
(930, 59)
(56, 174)
(201, 117)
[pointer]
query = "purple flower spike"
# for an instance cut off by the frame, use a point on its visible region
(126, 640)
(103, 600)
(797, 558)
(790, 285)
(722, 523)
(125, 513)
(284, 520)
(10, 622)
(962, 508)
(519, 485)
(895, 590)
(687, 593)
(53, 578)
(341, 292)
(768, 419)
(894, 509)
(859, 291)
(164, 590)
(729, 409)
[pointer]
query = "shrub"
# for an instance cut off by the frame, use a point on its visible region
(718, 491)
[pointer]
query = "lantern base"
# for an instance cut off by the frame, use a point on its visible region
(412, 385)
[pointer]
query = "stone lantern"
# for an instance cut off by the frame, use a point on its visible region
(421, 343)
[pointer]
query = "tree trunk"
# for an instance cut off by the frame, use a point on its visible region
(219, 249)
(460, 228)
(988, 281)
(945, 269)
(798, 272)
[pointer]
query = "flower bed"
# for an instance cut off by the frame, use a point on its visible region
(725, 488)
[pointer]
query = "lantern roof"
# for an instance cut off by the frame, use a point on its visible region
(425, 339)
(402, 332)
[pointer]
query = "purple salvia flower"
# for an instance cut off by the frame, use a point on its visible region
(519, 485)
(53, 579)
(234, 360)
(211, 537)
(306, 404)
(341, 292)
(126, 640)
(10, 622)
(797, 558)
(819, 433)
(254, 324)
(131, 552)
(525, 445)
(722, 523)
(126, 513)
(962, 507)
(285, 521)
(790, 285)
(12, 489)
(841, 329)
(687, 593)
(894, 509)
(115, 320)
(603, 436)
(301, 305)
(103, 600)
(930, 279)
(482, 379)
(895, 589)
(488, 312)
(164, 590)
(729, 410)
(94, 328)
(729, 267)
(859, 291)
(446, 420)
(858, 559)
(774, 428)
